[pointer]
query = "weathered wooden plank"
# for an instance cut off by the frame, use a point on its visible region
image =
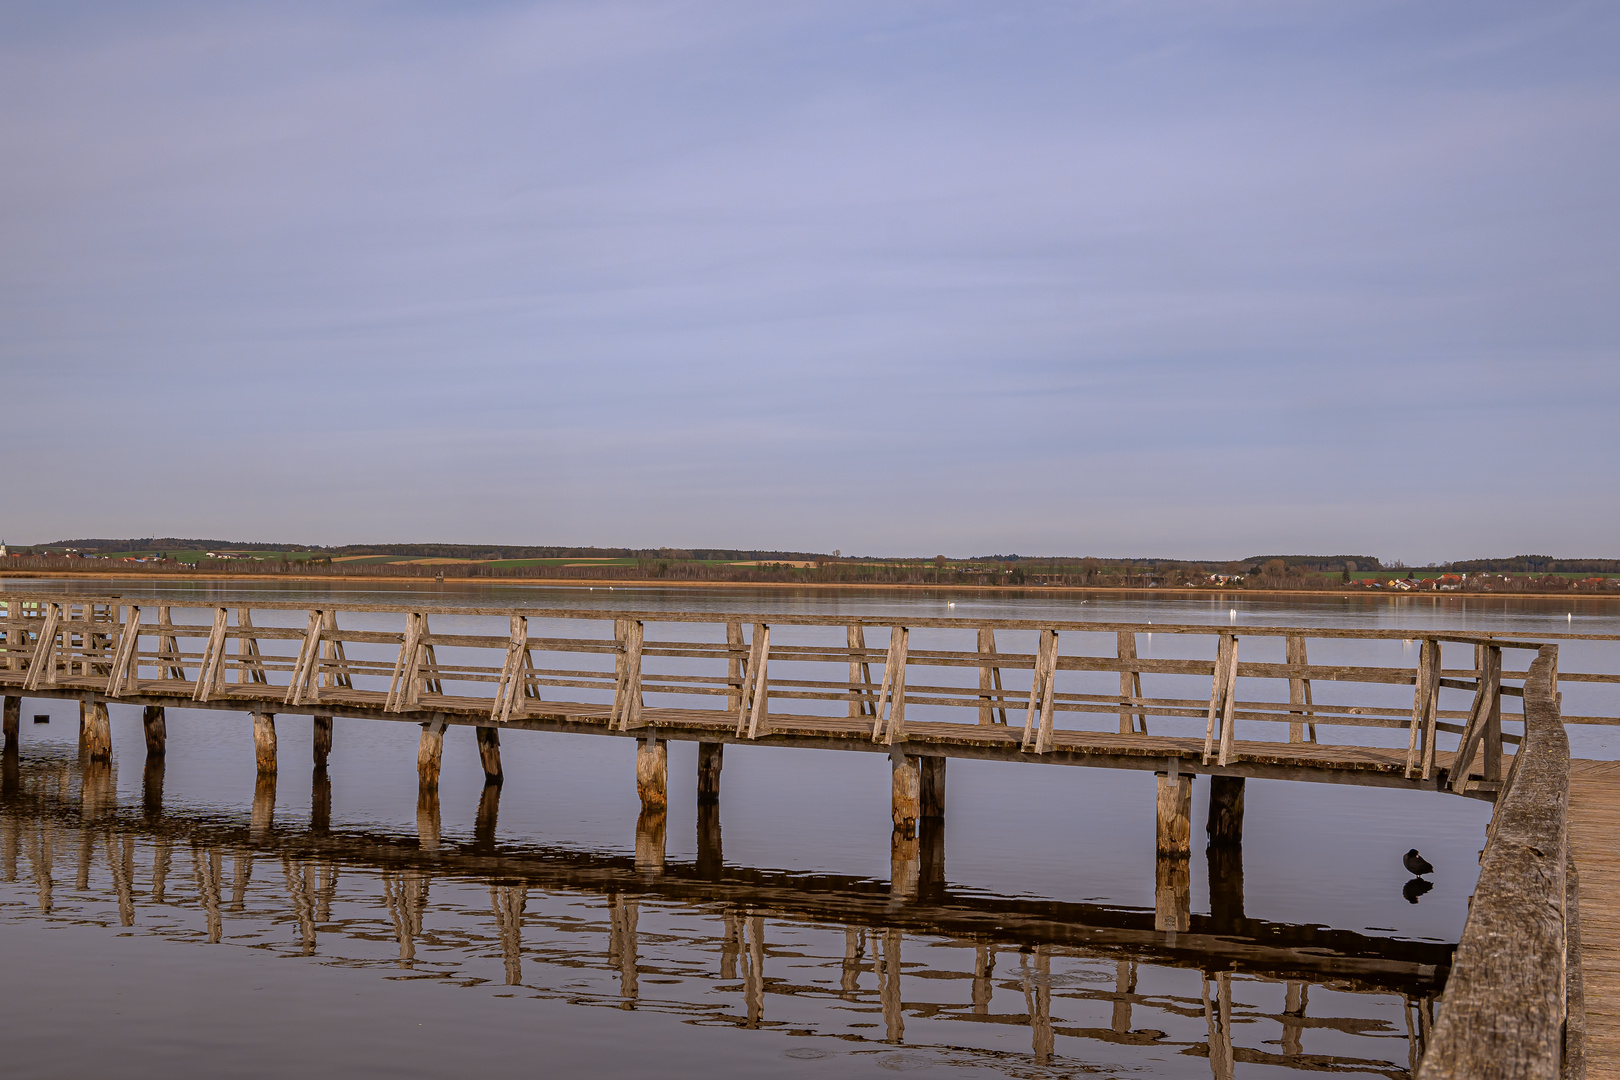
(123, 667)
(211, 672)
(509, 691)
(627, 694)
(303, 685)
(42, 665)
(758, 715)
(1037, 732)
(1505, 1002)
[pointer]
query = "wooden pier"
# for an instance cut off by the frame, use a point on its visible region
(921, 691)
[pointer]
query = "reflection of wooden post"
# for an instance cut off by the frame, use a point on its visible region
(97, 731)
(730, 942)
(395, 903)
(930, 857)
(96, 794)
(1124, 991)
(489, 808)
(508, 903)
(710, 857)
(1293, 1023)
(1218, 1015)
(264, 741)
(326, 890)
(264, 806)
(905, 866)
(622, 945)
(886, 964)
(323, 740)
(13, 723)
(1425, 1013)
(155, 725)
(301, 891)
(754, 971)
(152, 789)
(320, 802)
(86, 851)
(652, 774)
(161, 857)
(931, 787)
(984, 963)
(244, 876)
(427, 817)
(710, 757)
(489, 754)
(1225, 888)
(849, 977)
(1172, 891)
(1039, 999)
(906, 793)
(10, 843)
(206, 863)
(41, 845)
(1225, 826)
(651, 833)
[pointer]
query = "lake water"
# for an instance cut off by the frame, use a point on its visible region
(154, 919)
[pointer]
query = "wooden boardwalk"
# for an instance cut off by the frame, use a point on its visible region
(1594, 839)
(716, 678)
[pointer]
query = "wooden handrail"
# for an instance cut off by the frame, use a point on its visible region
(1507, 1007)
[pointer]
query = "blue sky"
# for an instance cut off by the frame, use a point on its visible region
(1186, 279)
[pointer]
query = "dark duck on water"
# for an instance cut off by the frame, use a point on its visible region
(1416, 864)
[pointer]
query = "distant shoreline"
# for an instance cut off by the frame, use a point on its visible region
(666, 583)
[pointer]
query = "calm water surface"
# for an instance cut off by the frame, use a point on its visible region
(159, 920)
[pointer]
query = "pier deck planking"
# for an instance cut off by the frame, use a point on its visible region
(1594, 826)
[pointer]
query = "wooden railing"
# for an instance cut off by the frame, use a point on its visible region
(1512, 1006)
(390, 661)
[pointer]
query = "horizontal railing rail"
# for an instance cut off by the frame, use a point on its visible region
(726, 664)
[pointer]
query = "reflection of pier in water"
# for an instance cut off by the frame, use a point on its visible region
(827, 955)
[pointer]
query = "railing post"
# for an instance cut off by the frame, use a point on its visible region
(1130, 684)
(992, 706)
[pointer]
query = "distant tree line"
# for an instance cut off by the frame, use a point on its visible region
(1520, 573)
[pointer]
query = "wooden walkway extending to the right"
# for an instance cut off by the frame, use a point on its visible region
(1594, 840)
